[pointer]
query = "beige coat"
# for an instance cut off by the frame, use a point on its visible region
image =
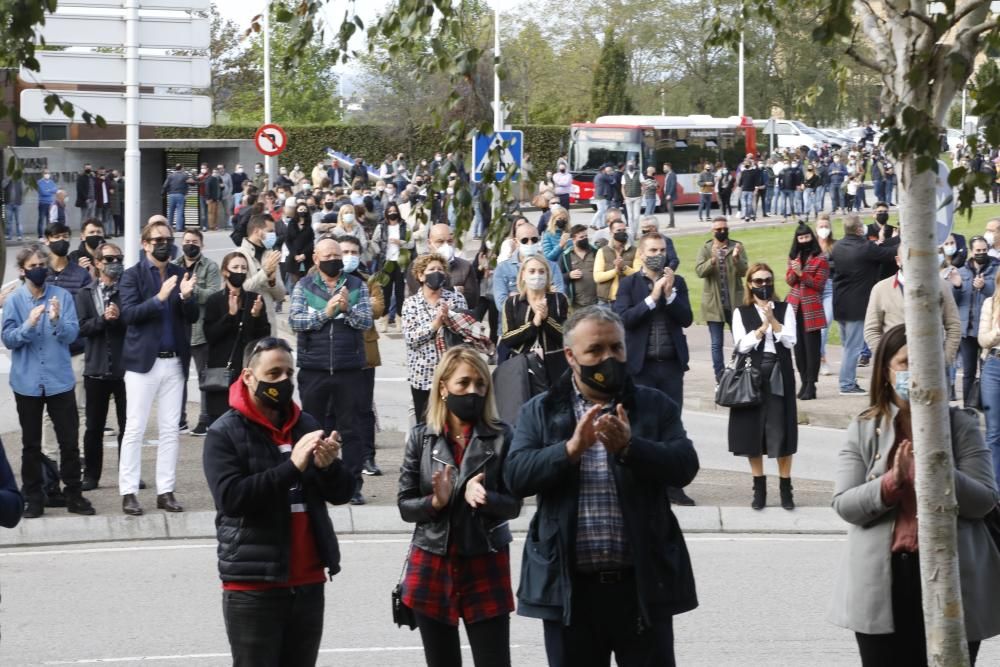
(257, 282)
(885, 310)
(862, 599)
(989, 332)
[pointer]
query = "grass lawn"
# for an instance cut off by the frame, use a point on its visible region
(771, 245)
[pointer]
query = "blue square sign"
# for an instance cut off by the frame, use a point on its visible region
(512, 144)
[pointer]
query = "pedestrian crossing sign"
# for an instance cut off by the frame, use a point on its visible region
(511, 144)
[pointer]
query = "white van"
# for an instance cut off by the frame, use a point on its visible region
(787, 134)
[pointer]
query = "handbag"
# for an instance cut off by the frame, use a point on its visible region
(975, 398)
(220, 378)
(401, 614)
(739, 385)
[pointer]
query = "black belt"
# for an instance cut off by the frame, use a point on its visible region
(166, 355)
(608, 576)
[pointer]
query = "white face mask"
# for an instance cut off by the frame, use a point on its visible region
(950, 249)
(446, 250)
(535, 281)
(348, 218)
(989, 236)
(529, 249)
(823, 232)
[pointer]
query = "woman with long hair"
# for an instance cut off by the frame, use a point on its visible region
(299, 243)
(878, 594)
(824, 232)
(764, 329)
(808, 273)
(989, 342)
(451, 486)
(348, 224)
(533, 318)
(393, 236)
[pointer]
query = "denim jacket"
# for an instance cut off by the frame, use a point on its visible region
(40, 354)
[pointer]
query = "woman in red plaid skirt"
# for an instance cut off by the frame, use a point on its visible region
(807, 274)
(451, 486)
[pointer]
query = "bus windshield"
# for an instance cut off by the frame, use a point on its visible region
(594, 147)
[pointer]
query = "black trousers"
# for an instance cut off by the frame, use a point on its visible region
(907, 646)
(397, 286)
(969, 351)
(335, 401)
(489, 641)
(486, 306)
(99, 393)
(66, 423)
(807, 346)
(420, 399)
(606, 621)
(726, 202)
(275, 628)
(665, 375)
(368, 414)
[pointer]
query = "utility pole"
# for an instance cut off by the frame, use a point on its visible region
(497, 114)
(132, 157)
(740, 93)
(270, 163)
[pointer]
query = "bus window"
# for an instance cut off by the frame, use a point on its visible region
(593, 148)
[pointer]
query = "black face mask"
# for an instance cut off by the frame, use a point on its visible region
(275, 394)
(237, 279)
(607, 377)
(583, 244)
(191, 250)
(434, 280)
(467, 407)
(332, 267)
(560, 224)
(328, 205)
(161, 253)
(93, 241)
(981, 258)
(764, 292)
(59, 248)
(621, 237)
(722, 235)
(881, 217)
(393, 216)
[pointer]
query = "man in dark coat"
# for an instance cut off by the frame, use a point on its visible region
(86, 193)
(605, 565)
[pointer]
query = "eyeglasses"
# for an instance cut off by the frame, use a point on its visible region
(761, 282)
(270, 343)
(112, 259)
(528, 239)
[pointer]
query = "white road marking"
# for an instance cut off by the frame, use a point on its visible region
(209, 656)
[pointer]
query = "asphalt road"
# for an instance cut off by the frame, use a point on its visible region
(763, 602)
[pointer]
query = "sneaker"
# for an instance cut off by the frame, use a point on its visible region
(88, 484)
(853, 391)
(370, 468)
(77, 504)
(358, 498)
(824, 369)
(33, 509)
(864, 361)
(382, 325)
(183, 428)
(108, 431)
(199, 431)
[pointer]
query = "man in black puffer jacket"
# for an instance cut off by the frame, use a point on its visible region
(276, 541)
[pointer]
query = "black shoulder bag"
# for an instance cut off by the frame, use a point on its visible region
(739, 385)
(219, 379)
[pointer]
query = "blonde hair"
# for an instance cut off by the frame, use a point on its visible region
(437, 410)
(524, 265)
(346, 208)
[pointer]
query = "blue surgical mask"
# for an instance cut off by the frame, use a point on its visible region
(351, 263)
(902, 385)
(529, 249)
(270, 238)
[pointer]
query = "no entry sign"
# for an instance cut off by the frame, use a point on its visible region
(270, 139)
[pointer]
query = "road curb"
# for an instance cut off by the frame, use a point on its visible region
(385, 520)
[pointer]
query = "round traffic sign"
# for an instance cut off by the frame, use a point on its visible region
(270, 139)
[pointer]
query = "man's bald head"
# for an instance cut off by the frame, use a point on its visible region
(157, 219)
(326, 249)
(439, 234)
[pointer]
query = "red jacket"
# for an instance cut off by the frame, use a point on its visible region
(807, 291)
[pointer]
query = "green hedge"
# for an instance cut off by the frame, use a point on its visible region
(373, 142)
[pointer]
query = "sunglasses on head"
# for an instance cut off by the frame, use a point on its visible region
(761, 282)
(529, 239)
(270, 343)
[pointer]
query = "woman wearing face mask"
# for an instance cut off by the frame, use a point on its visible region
(764, 329)
(725, 182)
(555, 239)
(562, 182)
(393, 238)
(451, 486)
(425, 314)
(808, 273)
(533, 318)
(349, 225)
(299, 242)
(234, 317)
(878, 592)
(824, 232)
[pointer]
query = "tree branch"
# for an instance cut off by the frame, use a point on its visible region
(974, 32)
(862, 60)
(920, 16)
(969, 8)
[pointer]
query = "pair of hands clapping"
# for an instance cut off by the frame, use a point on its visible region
(612, 429)
(313, 446)
(443, 483)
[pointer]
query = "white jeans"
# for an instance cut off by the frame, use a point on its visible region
(164, 383)
(633, 205)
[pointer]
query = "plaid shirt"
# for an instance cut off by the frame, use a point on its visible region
(600, 528)
(807, 291)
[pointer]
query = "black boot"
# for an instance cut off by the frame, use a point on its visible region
(808, 392)
(759, 492)
(802, 391)
(812, 391)
(785, 487)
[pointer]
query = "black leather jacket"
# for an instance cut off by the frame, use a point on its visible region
(475, 531)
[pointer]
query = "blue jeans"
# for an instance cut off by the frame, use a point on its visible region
(705, 204)
(768, 201)
(716, 331)
(797, 200)
(746, 197)
(836, 197)
(853, 341)
(13, 220)
(649, 205)
(989, 385)
(888, 192)
(785, 205)
(879, 190)
(820, 199)
(810, 205)
(828, 313)
(175, 210)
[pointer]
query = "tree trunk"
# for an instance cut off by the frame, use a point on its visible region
(937, 509)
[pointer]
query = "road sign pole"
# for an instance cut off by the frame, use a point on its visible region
(270, 162)
(132, 214)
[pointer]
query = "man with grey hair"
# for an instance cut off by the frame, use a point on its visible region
(599, 452)
(858, 261)
(650, 224)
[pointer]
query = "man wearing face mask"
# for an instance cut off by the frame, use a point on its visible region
(614, 261)
(263, 261)
(99, 308)
(562, 181)
(722, 264)
(47, 189)
(86, 193)
(605, 566)
(330, 311)
(92, 238)
(632, 194)
(655, 309)
(577, 264)
(528, 244)
(158, 306)
(260, 180)
(837, 173)
(978, 281)
(208, 282)
(462, 276)
(884, 234)
(885, 310)
(992, 236)
(39, 323)
(272, 471)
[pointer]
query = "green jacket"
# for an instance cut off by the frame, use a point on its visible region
(708, 271)
(209, 282)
